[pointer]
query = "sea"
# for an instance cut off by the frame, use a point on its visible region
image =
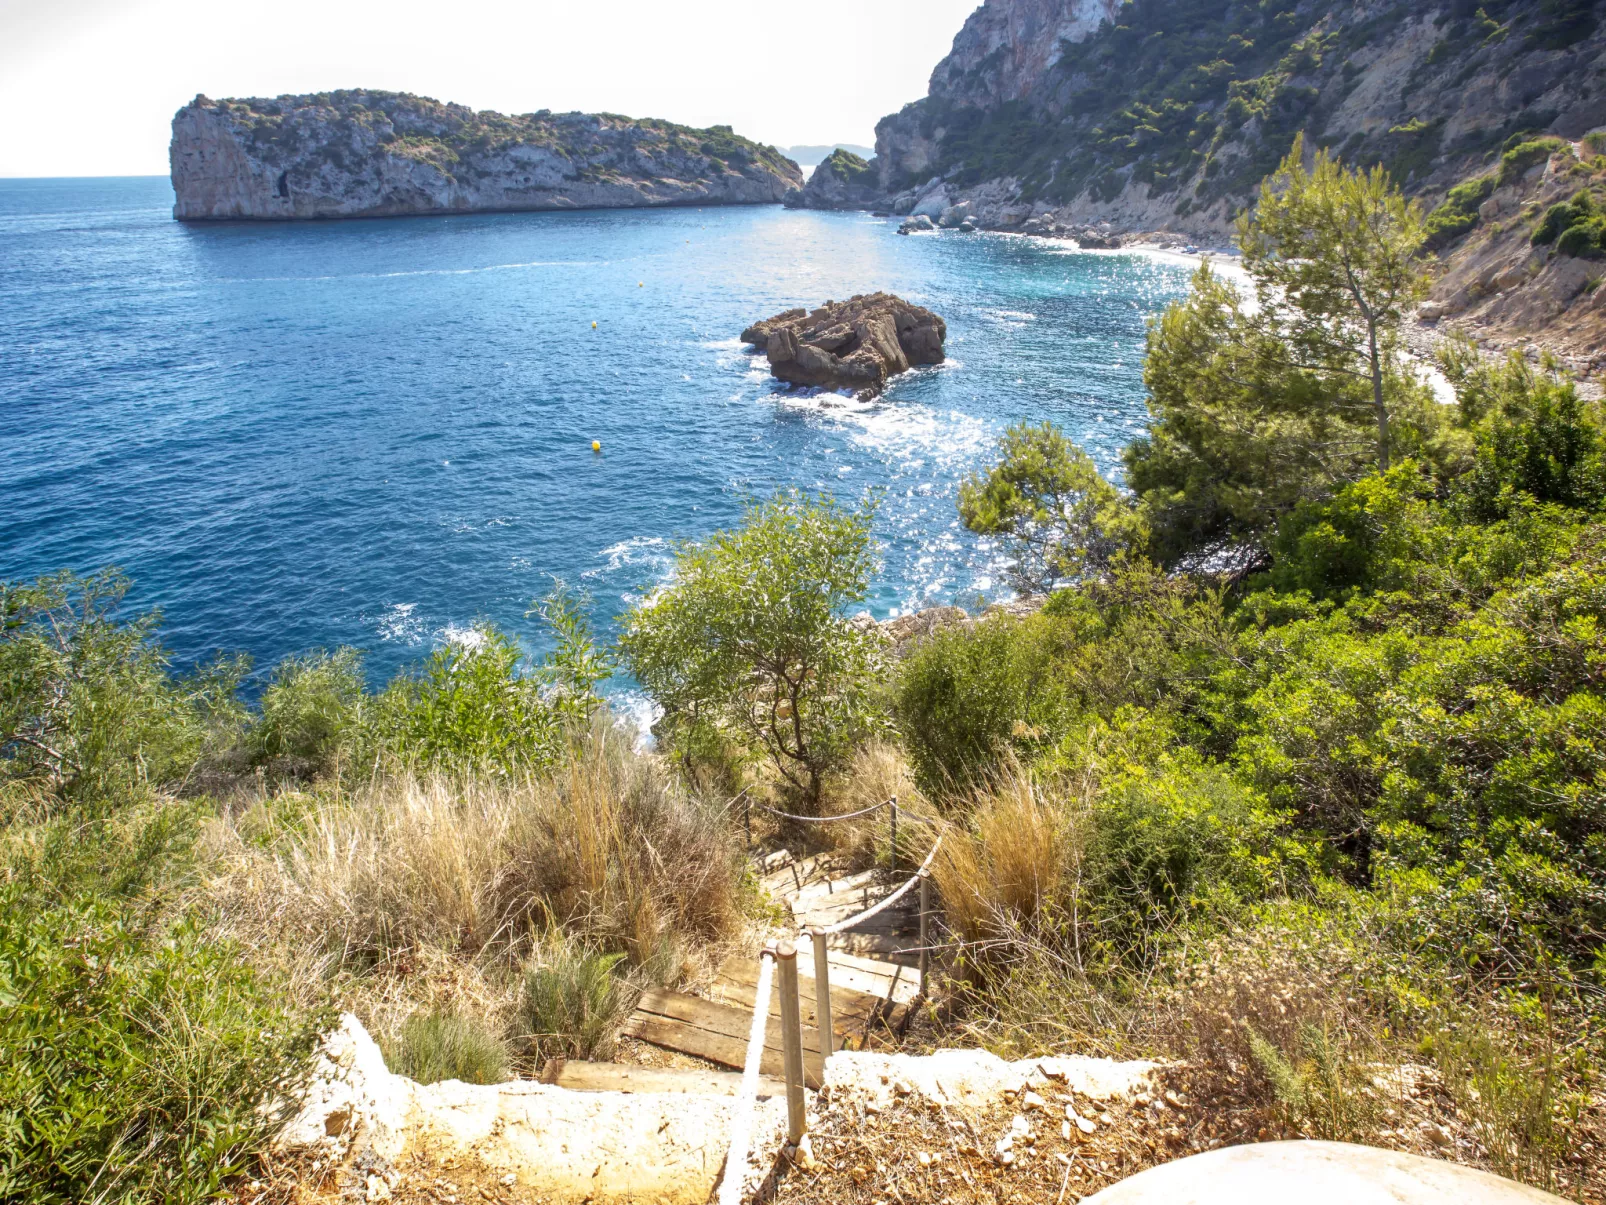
(378, 433)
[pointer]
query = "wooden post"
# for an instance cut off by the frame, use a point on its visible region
(894, 832)
(791, 1040)
(925, 930)
(747, 817)
(822, 998)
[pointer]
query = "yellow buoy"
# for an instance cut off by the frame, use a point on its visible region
(593, 326)
(596, 445)
(641, 284)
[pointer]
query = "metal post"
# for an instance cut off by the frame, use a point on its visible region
(894, 832)
(822, 998)
(791, 1040)
(925, 929)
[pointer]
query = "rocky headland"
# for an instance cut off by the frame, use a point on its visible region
(1108, 123)
(856, 344)
(378, 154)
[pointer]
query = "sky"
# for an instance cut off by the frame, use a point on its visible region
(89, 87)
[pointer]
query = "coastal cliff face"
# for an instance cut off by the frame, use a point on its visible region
(1005, 49)
(1166, 114)
(376, 154)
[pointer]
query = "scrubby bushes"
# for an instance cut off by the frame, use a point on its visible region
(1459, 212)
(168, 958)
(137, 1062)
(751, 642)
(1337, 814)
(1577, 227)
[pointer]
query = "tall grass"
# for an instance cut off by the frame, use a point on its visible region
(572, 1001)
(422, 892)
(1016, 865)
(604, 847)
(442, 1045)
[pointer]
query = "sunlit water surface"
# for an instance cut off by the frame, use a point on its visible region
(378, 432)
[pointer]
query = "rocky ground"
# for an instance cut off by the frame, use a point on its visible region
(1044, 1140)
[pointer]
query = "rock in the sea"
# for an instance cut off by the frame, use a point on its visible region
(915, 224)
(373, 154)
(855, 344)
(841, 181)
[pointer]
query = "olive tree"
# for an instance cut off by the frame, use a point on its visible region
(1045, 499)
(752, 636)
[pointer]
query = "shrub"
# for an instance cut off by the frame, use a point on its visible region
(1324, 1091)
(478, 702)
(967, 693)
(135, 1064)
(1057, 517)
(1459, 212)
(1181, 841)
(88, 706)
(1520, 158)
(1584, 240)
(1577, 227)
(441, 1045)
(573, 1000)
(1515, 1099)
(310, 710)
(752, 638)
(1562, 215)
(1534, 435)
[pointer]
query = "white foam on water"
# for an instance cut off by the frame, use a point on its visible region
(637, 550)
(639, 711)
(401, 622)
(470, 639)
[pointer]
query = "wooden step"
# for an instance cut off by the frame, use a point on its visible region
(886, 949)
(581, 1076)
(858, 978)
(851, 1012)
(846, 889)
(716, 1032)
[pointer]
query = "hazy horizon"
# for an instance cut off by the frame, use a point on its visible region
(109, 74)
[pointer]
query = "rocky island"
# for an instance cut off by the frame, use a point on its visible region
(855, 344)
(354, 154)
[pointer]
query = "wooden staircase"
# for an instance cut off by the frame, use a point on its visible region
(873, 972)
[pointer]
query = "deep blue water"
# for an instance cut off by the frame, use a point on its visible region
(372, 432)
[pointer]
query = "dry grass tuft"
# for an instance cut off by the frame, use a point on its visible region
(1017, 861)
(432, 892)
(877, 773)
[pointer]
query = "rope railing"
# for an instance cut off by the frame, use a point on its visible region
(741, 1133)
(874, 807)
(730, 1188)
(859, 918)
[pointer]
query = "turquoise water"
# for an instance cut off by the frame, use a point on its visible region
(376, 432)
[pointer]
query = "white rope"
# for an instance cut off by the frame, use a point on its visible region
(874, 807)
(925, 866)
(730, 1188)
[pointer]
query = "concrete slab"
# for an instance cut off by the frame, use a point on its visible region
(1315, 1173)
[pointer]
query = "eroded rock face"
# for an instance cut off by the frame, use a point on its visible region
(375, 154)
(841, 181)
(855, 344)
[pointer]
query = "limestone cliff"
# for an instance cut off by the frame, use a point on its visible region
(374, 154)
(1165, 114)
